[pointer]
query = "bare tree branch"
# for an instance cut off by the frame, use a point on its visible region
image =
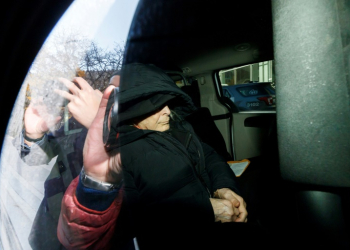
(100, 64)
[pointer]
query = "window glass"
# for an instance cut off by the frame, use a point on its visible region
(42, 149)
(226, 93)
(252, 90)
(250, 87)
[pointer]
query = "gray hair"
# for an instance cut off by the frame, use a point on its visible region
(175, 116)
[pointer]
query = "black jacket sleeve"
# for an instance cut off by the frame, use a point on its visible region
(220, 173)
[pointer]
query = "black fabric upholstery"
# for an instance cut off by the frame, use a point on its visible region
(193, 91)
(205, 127)
(203, 123)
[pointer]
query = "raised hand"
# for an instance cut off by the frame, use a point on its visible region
(37, 121)
(84, 100)
(97, 162)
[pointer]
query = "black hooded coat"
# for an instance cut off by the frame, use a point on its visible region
(169, 177)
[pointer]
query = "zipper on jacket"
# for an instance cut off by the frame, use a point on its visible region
(201, 178)
(190, 159)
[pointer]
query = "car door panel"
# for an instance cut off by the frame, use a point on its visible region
(251, 133)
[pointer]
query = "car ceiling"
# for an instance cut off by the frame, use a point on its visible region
(171, 34)
(200, 36)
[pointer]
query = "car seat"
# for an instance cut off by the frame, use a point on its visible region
(203, 123)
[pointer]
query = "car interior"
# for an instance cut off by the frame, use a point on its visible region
(298, 181)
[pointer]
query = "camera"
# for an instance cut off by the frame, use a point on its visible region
(111, 120)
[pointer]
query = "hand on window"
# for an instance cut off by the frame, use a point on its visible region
(83, 100)
(37, 121)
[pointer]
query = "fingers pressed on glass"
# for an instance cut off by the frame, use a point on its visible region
(64, 94)
(70, 85)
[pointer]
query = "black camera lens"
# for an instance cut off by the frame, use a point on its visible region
(111, 120)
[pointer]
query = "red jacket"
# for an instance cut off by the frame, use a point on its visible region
(82, 228)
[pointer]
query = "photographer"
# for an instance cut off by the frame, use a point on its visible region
(175, 186)
(48, 134)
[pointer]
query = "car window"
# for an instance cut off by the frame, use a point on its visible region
(226, 93)
(34, 177)
(270, 89)
(250, 87)
(253, 90)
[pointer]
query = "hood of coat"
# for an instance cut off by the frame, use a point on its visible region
(144, 89)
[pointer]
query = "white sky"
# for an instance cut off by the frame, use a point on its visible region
(104, 21)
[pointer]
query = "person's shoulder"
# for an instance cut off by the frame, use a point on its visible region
(135, 147)
(142, 148)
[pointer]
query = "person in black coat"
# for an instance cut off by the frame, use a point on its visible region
(175, 186)
(168, 172)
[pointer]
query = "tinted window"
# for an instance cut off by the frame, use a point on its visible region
(250, 87)
(252, 91)
(226, 93)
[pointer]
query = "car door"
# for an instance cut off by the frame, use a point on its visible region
(250, 132)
